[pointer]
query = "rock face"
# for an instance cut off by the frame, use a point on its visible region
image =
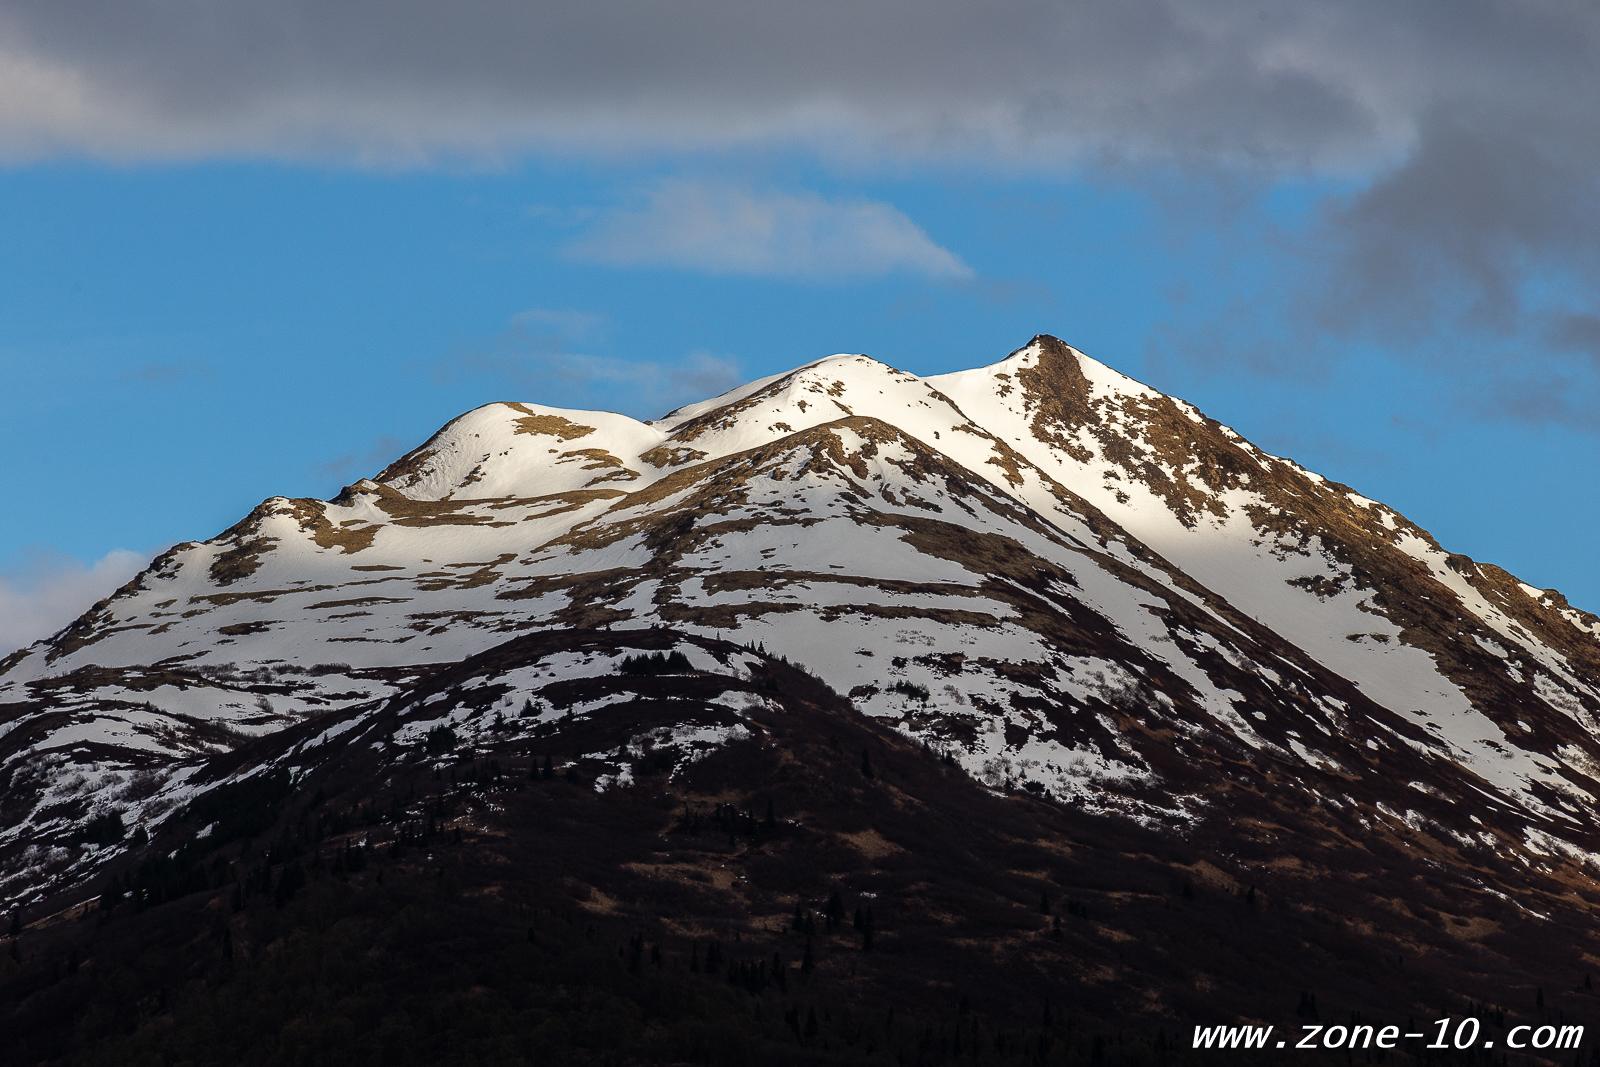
(1068, 583)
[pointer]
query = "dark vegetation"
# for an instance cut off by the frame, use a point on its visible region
(822, 892)
(243, 809)
(439, 740)
(910, 689)
(674, 662)
(103, 829)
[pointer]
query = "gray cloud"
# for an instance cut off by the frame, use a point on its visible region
(1485, 203)
(1539, 394)
(1300, 84)
(1574, 333)
(1481, 253)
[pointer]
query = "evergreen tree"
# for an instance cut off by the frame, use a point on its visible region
(866, 764)
(1044, 903)
(103, 829)
(291, 882)
(835, 912)
(111, 894)
(807, 964)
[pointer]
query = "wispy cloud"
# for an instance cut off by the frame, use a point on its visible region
(167, 373)
(41, 590)
(536, 358)
(660, 384)
(722, 228)
(1475, 255)
(559, 325)
(1568, 332)
(383, 451)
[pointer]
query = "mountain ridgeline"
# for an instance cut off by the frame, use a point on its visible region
(1022, 714)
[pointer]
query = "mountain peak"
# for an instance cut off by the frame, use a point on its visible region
(1042, 567)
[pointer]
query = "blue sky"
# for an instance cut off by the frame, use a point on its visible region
(202, 305)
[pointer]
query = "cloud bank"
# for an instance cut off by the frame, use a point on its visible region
(1295, 84)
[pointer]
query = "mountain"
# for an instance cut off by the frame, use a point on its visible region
(1061, 607)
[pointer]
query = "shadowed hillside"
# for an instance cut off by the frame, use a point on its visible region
(456, 901)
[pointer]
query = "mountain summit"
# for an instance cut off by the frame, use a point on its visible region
(1065, 584)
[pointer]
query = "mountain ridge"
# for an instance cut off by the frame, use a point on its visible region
(1023, 546)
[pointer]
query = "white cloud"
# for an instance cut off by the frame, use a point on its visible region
(727, 229)
(45, 590)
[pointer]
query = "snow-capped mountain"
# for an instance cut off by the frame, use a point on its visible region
(1067, 581)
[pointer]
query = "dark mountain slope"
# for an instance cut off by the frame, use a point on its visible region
(417, 948)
